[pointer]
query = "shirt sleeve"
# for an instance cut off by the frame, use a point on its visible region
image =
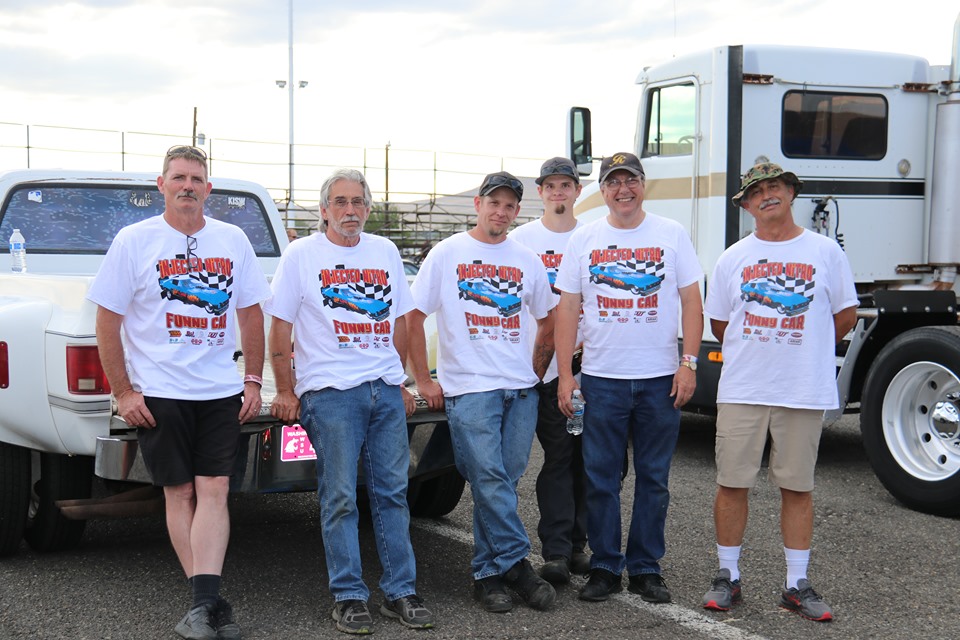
(568, 275)
(284, 302)
(113, 287)
(426, 286)
(718, 304)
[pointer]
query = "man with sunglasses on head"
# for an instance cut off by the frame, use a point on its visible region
(637, 277)
(485, 288)
(163, 280)
(342, 295)
(561, 486)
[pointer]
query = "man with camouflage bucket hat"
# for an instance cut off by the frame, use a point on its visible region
(779, 301)
(767, 171)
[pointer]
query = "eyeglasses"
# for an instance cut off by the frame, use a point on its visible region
(186, 151)
(191, 247)
(502, 181)
(614, 183)
(343, 203)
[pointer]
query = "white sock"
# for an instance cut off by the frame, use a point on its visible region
(729, 559)
(797, 561)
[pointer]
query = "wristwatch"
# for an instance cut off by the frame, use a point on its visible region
(689, 364)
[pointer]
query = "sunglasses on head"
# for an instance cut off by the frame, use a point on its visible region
(186, 151)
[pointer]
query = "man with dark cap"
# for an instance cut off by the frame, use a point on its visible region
(484, 289)
(637, 278)
(794, 289)
(561, 487)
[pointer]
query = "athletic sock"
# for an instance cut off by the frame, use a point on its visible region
(797, 561)
(730, 560)
(206, 589)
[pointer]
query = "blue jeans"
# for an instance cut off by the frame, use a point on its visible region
(643, 410)
(492, 432)
(366, 423)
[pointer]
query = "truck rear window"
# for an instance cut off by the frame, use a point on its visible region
(85, 218)
(821, 124)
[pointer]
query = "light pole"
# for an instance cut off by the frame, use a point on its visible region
(288, 83)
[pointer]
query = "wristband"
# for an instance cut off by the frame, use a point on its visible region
(688, 358)
(252, 378)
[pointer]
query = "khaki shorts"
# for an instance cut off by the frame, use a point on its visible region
(742, 434)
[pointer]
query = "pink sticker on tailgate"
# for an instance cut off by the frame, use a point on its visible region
(295, 445)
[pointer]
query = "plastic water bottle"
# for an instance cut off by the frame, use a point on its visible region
(575, 424)
(18, 252)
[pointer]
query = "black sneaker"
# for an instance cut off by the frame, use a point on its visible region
(196, 625)
(491, 594)
(601, 585)
(409, 610)
(580, 563)
(556, 570)
(723, 593)
(532, 589)
(352, 616)
(222, 620)
(650, 587)
(807, 602)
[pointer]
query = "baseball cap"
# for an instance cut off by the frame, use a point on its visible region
(501, 179)
(558, 166)
(766, 171)
(621, 161)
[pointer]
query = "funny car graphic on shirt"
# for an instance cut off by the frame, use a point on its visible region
(630, 279)
(777, 296)
(202, 284)
(551, 261)
(365, 294)
(493, 293)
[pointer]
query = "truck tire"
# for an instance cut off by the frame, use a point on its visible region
(14, 496)
(910, 419)
(61, 478)
(437, 496)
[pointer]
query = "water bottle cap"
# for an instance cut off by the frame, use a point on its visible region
(576, 392)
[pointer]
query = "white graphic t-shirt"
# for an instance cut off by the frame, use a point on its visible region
(779, 299)
(549, 245)
(479, 292)
(630, 281)
(178, 297)
(343, 303)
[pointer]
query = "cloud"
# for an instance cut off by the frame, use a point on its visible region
(48, 72)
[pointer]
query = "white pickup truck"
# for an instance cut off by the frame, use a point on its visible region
(58, 430)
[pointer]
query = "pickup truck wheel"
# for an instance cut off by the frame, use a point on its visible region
(14, 496)
(61, 478)
(910, 419)
(436, 496)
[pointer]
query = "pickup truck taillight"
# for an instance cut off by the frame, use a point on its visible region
(84, 373)
(4, 366)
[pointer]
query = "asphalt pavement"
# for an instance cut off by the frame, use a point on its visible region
(887, 571)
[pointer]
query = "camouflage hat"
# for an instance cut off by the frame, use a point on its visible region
(766, 171)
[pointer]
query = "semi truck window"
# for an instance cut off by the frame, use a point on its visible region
(85, 219)
(671, 121)
(820, 124)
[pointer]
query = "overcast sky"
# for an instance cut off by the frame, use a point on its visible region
(491, 77)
